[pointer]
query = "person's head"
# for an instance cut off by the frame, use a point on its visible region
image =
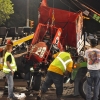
(9, 47)
(9, 42)
(93, 42)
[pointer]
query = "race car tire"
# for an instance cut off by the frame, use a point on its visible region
(37, 83)
(80, 59)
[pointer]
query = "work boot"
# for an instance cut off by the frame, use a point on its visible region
(14, 98)
(9, 98)
(38, 98)
(59, 97)
(41, 98)
(28, 85)
(39, 95)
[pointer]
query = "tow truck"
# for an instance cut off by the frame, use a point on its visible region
(80, 78)
(87, 11)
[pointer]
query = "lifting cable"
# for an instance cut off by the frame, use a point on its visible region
(83, 5)
(90, 6)
(53, 17)
(68, 15)
(52, 22)
(76, 4)
(68, 5)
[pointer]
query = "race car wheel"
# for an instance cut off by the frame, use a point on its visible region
(37, 83)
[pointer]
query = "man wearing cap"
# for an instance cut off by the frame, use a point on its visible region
(9, 68)
(60, 66)
(92, 56)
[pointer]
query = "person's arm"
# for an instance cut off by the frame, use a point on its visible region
(85, 59)
(85, 56)
(19, 55)
(70, 66)
(8, 64)
(66, 73)
(55, 55)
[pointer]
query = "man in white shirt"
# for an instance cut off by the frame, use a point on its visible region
(92, 55)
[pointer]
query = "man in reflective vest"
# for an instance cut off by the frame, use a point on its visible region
(4, 51)
(9, 68)
(60, 66)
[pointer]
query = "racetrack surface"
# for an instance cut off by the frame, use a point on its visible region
(20, 85)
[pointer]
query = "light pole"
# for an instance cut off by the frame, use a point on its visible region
(27, 22)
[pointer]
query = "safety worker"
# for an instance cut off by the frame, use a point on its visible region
(4, 51)
(92, 56)
(60, 66)
(9, 68)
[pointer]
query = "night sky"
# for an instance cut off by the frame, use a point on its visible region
(93, 3)
(60, 4)
(91, 24)
(68, 5)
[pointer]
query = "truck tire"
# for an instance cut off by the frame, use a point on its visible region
(80, 59)
(37, 83)
(82, 87)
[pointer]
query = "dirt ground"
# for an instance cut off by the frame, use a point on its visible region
(50, 94)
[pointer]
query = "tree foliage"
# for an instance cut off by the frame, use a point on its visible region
(19, 18)
(6, 9)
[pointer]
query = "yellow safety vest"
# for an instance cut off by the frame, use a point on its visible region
(62, 60)
(12, 64)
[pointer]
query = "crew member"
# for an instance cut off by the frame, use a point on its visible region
(9, 68)
(4, 51)
(60, 66)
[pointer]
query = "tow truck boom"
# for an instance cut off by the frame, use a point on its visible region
(86, 10)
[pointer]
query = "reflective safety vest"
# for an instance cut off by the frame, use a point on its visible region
(62, 60)
(12, 64)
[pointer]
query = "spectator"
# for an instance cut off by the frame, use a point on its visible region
(92, 55)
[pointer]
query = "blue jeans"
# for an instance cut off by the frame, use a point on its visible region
(93, 81)
(10, 82)
(55, 78)
(28, 77)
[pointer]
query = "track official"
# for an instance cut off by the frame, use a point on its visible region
(60, 66)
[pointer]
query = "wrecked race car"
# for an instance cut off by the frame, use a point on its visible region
(46, 42)
(52, 33)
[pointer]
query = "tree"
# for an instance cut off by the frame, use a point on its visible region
(19, 18)
(6, 9)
